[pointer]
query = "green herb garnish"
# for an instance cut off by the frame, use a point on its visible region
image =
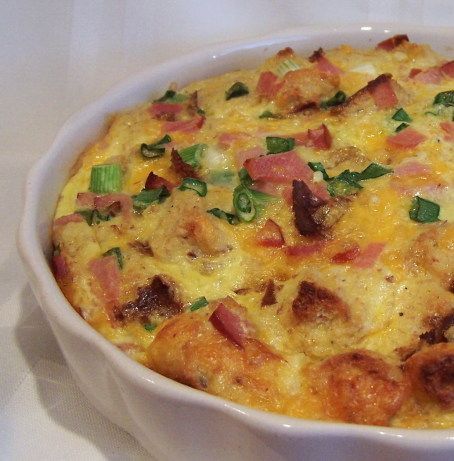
(269, 114)
(401, 127)
(248, 202)
(150, 326)
(192, 155)
(156, 149)
(196, 185)
(118, 256)
(374, 170)
(147, 196)
(198, 303)
(445, 98)
(317, 166)
(339, 98)
(221, 176)
(106, 178)
(287, 66)
(221, 214)
(275, 145)
(93, 216)
(172, 97)
(244, 177)
(424, 211)
(401, 116)
(236, 90)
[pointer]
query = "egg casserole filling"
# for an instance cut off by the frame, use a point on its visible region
(281, 237)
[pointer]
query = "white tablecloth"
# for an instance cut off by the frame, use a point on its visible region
(56, 56)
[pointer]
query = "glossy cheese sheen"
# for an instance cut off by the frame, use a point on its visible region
(334, 324)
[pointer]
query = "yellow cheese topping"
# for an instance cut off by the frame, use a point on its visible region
(314, 276)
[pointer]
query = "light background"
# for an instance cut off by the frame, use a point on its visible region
(56, 56)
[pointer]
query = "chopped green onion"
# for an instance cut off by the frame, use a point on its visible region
(93, 216)
(287, 66)
(244, 177)
(339, 98)
(172, 97)
(401, 116)
(198, 303)
(200, 111)
(221, 176)
(275, 145)
(317, 166)
(236, 90)
(221, 214)
(446, 98)
(156, 149)
(374, 170)
(192, 155)
(401, 127)
(423, 210)
(248, 202)
(118, 255)
(106, 178)
(197, 186)
(147, 196)
(150, 326)
(339, 186)
(269, 114)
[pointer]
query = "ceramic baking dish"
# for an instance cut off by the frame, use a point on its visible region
(169, 419)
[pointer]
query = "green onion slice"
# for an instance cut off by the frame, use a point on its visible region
(221, 176)
(275, 145)
(147, 196)
(401, 127)
(401, 116)
(192, 155)
(198, 303)
(221, 214)
(339, 98)
(236, 90)
(118, 255)
(269, 114)
(248, 202)
(446, 98)
(196, 185)
(338, 186)
(93, 216)
(317, 166)
(374, 170)
(150, 326)
(244, 177)
(106, 178)
(287, 66)
(172, 97)
(156, 149)
(424, 211)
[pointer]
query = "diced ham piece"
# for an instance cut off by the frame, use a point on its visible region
(109, 201)
(390, 43)
(155, 182)
(347, 255)
(270, 235)
(414, 72)
(279, 168)
(448, 128)
(164, 109)
(447, 69)
(324, 65)
(406, 139)
(412, 168)
(268, 85)
(187, 126)
(229, 324)
(431, 76)
(60, 267)
(243, 155)
(369, 255)
(107, 274)
(319, 138)
(86, 200)
(383, 93)
(74, 217)
(304, 250)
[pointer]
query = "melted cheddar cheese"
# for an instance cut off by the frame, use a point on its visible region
(329, 303)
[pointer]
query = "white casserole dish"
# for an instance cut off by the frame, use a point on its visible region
(171, 420)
